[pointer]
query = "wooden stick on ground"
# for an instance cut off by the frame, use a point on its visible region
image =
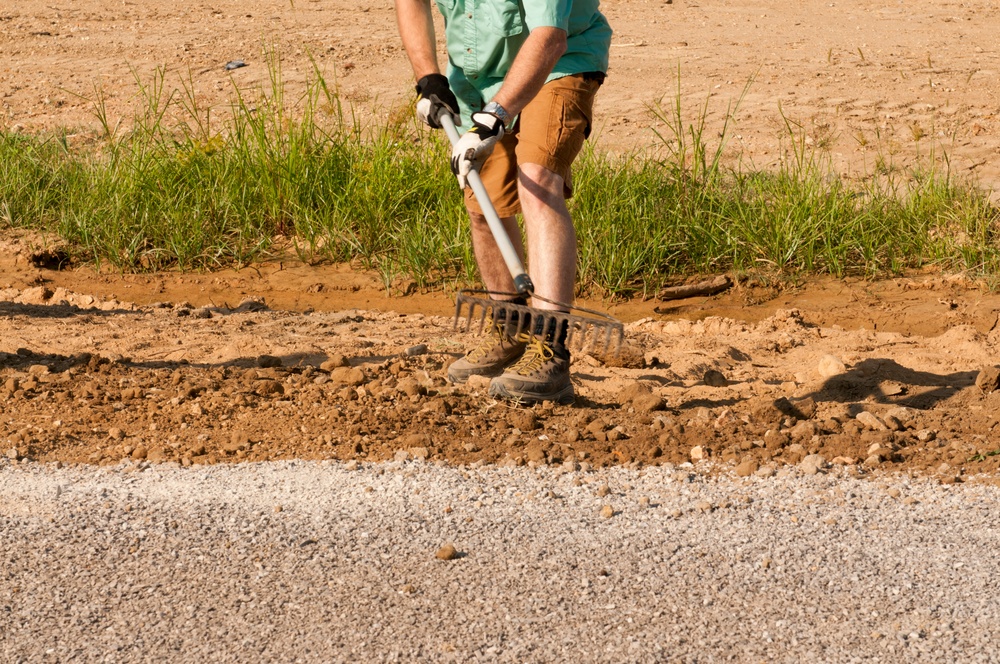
(711, 287)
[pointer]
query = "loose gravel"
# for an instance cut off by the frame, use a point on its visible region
(325, 561)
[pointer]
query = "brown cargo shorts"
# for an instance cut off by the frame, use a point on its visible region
(550, 132)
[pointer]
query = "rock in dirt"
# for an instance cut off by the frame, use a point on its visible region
(746, 468)
(413, 351)
(525, 420)
(350, 376)
(447, 552)
(410, 387)
(698, 453)
(648, 403)
(632, 391)
(607, 511)
(266, 388)
(830, 366)
(715, 378)
(268, 362)
(336, 361)
(812, 464)
(988, 379)
(871, 421)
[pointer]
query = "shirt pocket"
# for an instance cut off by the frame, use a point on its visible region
(505, 17)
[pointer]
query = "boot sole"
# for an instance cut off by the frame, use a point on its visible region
(565, 396)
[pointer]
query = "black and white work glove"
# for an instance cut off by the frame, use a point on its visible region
(435, 96)
(476, 145)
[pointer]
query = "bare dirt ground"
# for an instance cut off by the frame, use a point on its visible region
(98, 367)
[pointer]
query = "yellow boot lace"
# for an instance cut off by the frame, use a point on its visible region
(492, 335)
(537, 353)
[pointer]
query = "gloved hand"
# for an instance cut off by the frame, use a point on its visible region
(475, 145)
(435, 96)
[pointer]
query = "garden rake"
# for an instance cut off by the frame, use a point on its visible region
(585, 329)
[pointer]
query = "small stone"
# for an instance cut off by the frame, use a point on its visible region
(447, 552)
(648, 403)
(765, 471)
(633, 391)
(703, 506)
(335, 362)
(988, 379)
(715, 378)
(413, 351)
(830, 366)
(408, 589)
(871, 421)
(470, 447)
(603, 490)
(746, 468)
(411, 387)
(201, 312)
(525, 420)
(351, 376)
(267, 388)
(765, 562)
(607, 511)
(812, 464)
(278, 508)
(139, 452)
(873, 461)
(842, 461)
(115, 433)
(268, 361)
(894, 492)
(352, 465)
(892, 423)
(38, 370)
(419, 453)
(699, 453)
(13, 454)
(926, 435)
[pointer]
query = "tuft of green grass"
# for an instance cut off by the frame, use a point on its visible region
(178, 188)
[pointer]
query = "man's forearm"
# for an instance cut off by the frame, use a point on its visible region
(416, 29)
(534, 62)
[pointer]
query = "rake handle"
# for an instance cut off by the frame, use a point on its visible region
(522, 282)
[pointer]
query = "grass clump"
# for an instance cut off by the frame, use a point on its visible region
(178, 189)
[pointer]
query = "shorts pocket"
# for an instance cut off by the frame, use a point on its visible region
(570, 119)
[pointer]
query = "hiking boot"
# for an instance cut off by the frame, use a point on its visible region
(496, 351)
(542, 374)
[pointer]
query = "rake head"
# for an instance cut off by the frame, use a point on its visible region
(585, 331)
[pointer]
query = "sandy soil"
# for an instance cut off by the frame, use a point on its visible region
(188, 367)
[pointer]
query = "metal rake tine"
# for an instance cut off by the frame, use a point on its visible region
(458, 313)
(482, 318)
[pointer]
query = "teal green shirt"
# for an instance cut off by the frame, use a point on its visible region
(484, 36)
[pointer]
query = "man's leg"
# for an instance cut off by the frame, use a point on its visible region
(492, 268)
(550, 234)
(496, 350)
(553, 128)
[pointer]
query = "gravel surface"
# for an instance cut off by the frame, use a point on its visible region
(326, 561)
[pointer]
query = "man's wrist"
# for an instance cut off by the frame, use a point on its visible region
(496, 109)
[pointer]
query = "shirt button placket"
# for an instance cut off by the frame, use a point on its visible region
(471, 70)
